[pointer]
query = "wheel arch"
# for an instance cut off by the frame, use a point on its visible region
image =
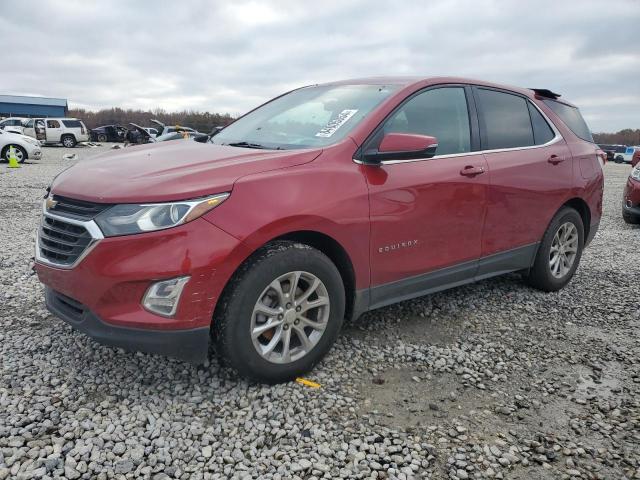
(583, 209)
(336, 253)
(322, 242)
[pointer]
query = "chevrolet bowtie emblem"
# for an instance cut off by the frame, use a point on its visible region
(50, 203)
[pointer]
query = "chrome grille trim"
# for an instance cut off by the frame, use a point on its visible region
(42, 237)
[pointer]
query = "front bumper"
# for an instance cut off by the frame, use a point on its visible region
(191, 345)
(631, 199)
(34, 153)
(113, 277)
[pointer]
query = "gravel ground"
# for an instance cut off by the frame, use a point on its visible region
(492, 380)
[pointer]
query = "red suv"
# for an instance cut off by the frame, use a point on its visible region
(323, 203)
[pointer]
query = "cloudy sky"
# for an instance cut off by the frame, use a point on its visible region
(229, 56)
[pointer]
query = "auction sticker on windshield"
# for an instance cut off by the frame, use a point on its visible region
(333, 126)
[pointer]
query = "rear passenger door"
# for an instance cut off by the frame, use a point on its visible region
(54, 130)
(530, 171)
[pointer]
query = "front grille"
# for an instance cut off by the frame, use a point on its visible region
(61, 242)
(78, 209)
(72, 308)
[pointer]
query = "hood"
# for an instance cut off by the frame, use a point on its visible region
(15, 136)
(169, 171)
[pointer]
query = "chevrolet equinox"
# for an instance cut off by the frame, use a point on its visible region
(321, 204)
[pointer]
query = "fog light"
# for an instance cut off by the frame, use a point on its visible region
(163, 297)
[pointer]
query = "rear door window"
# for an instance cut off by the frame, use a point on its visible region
(53, 124)
(72, 123)
(542, 132)
(572, 118)
(506, 119)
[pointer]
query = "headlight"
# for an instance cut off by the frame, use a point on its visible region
(127, 219)
(635, 173)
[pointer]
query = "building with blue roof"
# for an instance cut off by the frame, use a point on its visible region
(23, 106)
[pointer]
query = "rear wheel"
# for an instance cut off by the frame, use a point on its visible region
(281, 312)
(68, 141)
(20, 153)
(102, 138)
(559, 252)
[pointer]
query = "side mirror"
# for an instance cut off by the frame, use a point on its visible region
(402, 146)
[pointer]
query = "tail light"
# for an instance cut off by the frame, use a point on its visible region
(602, 157)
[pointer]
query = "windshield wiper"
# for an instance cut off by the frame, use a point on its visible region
(245, 145)
(251, 145)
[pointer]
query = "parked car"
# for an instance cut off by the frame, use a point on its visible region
(609, 150)
(323, 203)
(67, 131)
(623, 154)
(631, 197)
(141, 135)
(164, 129)
(108, 133)
(13, 124)
(25, 147)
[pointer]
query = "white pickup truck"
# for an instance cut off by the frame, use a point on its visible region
(67, 131)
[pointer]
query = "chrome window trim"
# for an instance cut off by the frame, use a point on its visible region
(558, 136)
(89, 225)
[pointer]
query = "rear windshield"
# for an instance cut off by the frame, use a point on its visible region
(72, 123)
(572, 118)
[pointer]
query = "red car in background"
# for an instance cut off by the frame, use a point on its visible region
(324, 203)
(631, 196)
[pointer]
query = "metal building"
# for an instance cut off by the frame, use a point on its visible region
(19, 106)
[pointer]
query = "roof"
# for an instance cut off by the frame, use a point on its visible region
(407, 81)
(24, 100)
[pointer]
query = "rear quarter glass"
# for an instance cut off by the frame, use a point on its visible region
(572, 118)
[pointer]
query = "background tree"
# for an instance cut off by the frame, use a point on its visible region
(201, 121)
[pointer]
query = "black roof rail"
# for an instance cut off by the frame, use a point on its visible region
(543, 92)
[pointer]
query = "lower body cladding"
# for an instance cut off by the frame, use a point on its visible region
(106, 295)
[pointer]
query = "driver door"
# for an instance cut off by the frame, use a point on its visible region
(427, 215)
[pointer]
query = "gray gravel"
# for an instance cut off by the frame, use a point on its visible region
(492, 380)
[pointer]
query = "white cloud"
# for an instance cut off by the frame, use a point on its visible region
(232, 56)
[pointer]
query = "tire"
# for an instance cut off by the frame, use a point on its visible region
(21, 153)
(68, 141)
(629, 218)
(619, 159)
(236, 320)
(541, 275)
(102, 138)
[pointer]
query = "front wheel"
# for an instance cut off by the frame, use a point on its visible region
(102, 138)
(281, 312)
(19, 152)
(559, 252)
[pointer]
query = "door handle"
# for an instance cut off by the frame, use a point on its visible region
(471, 171)
(555, 159)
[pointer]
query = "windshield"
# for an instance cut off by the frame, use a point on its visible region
(305, 118)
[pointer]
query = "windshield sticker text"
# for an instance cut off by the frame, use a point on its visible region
(331, 127)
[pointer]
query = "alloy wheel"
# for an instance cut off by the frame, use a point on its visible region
(289, 317)
(18, 153)
(564, 249)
